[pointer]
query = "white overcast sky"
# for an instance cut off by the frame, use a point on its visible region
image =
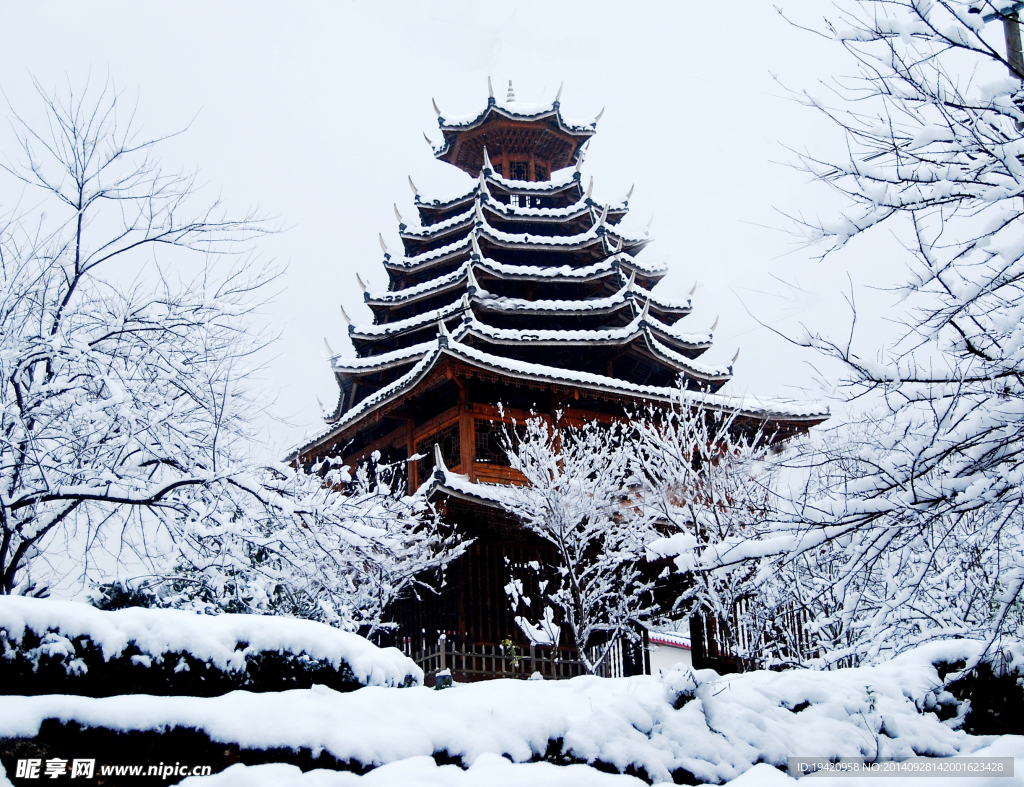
(315, 113)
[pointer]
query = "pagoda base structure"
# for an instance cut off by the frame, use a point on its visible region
(522, 296)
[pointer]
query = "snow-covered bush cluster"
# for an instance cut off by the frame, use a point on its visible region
(66, 647)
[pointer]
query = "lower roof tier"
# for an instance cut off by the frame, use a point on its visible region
(447, 359)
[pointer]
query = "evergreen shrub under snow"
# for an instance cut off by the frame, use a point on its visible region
(66, 647)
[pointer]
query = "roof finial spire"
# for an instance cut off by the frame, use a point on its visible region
(511, 93)
(490, 87)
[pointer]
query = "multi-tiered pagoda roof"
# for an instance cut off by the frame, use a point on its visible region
(523, 295)
(528, 275)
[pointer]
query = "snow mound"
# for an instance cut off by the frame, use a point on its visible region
(712, 727)
(78, 637)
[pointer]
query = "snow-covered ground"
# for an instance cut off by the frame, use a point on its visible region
(725, 726)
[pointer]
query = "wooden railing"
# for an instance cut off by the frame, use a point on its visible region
(470, 662)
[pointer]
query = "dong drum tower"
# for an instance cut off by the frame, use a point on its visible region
(522, 295)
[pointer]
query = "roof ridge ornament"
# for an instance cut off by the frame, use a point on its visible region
(429, 140)
(511, 96)
(344, 316)
(440, 468)
(440, 119)
(558, 97)
(602, 219)
(618, 247)
(732, 363)
(631, 282)
(472, 285)
(714, 325)
(590, 189)
(490, 92)
(330, 352)
(645, 313)
(412, 185)
(487, 162)
(476, 246)
(359, 281)
(629, 194)
(383, 245)
(398, 215)
(647, 229)
(599, 115)
(693, 289)
(479, 214)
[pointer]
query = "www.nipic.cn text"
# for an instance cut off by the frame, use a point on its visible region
(56, 768)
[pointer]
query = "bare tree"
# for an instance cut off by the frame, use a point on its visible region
(112, 398)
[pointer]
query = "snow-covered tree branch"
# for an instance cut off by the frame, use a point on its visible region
(911, 522)
(582, 499)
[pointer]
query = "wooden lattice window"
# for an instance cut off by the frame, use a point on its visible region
(451, 451)
(519, 170)
(540, 172)
(489, 440)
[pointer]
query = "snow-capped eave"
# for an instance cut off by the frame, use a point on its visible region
(506, 240)
(561, 274)
(546, 187)
(452, 129)
(619, 337)
(448, 347)
(444, 481)
(511, 213)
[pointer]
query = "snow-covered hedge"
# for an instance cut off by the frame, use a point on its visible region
(690, 725)
(66, 647)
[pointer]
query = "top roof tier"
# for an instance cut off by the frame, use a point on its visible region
(524, 141)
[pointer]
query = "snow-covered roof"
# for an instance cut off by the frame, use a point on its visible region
(560, 181)
(554, 274)
(574, 210)
(574, 134)
(626, 295)
(449, 346)
(378, 363)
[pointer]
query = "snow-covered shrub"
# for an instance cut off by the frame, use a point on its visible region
(65, 647)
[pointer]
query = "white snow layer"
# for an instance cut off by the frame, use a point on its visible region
(210, 638)
(490, 770)
(732, 722)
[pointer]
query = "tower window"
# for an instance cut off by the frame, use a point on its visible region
(540, 172)
(518, 170)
